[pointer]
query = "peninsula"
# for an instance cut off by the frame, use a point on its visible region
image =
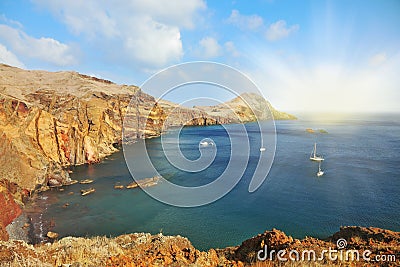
(52, 120)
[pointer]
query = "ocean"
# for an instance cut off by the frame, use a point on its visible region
(361, 186)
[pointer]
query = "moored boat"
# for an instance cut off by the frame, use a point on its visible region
(314, 156)
(320, 172)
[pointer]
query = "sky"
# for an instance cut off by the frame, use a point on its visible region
(325, 56)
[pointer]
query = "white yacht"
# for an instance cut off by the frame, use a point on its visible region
(320, 172)
(314, 155)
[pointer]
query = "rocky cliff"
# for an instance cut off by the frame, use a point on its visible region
(52, 120)
(49, 121)
(179, 116)
(142, 249)
(247, 107)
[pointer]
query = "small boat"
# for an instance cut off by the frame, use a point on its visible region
(262, 149)
(320, 172)
(86, 181)
(314, 155)
(85, 192)
(206, 143)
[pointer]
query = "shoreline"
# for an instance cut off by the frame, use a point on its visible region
(18, 229)
(30, 226)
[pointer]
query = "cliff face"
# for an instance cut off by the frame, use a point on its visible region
(247, 107)
(52, 120)
(9, 208)
(179, 116)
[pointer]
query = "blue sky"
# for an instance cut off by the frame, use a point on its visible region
(303, 55)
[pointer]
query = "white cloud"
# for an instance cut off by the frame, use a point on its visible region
(279, 30)
(173, 12)
(377, 59)
(243, 22)
(46, 49)
(327, 86)
(145, 33)
(158, 44)
(7, 57)
(210, 48)
(231, 49)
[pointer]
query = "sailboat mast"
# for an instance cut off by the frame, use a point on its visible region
(315, 149)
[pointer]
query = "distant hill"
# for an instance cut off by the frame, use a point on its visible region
(246, 108)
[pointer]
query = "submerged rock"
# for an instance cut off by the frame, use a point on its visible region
(52, 235)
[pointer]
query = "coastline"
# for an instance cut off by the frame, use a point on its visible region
(44, 133)
(133, 229)
(266, 249)
(30, 226)
(18, 229)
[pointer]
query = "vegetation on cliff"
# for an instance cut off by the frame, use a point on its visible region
(142, 249)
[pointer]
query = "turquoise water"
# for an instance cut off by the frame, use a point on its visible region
(361, 186)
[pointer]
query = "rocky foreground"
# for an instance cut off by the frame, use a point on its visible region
(142, 249)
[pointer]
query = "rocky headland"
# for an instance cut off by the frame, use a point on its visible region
(52, 120)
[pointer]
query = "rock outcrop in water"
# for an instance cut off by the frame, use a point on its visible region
(158, 250)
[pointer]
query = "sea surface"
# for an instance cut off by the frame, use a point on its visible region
(361, 186)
